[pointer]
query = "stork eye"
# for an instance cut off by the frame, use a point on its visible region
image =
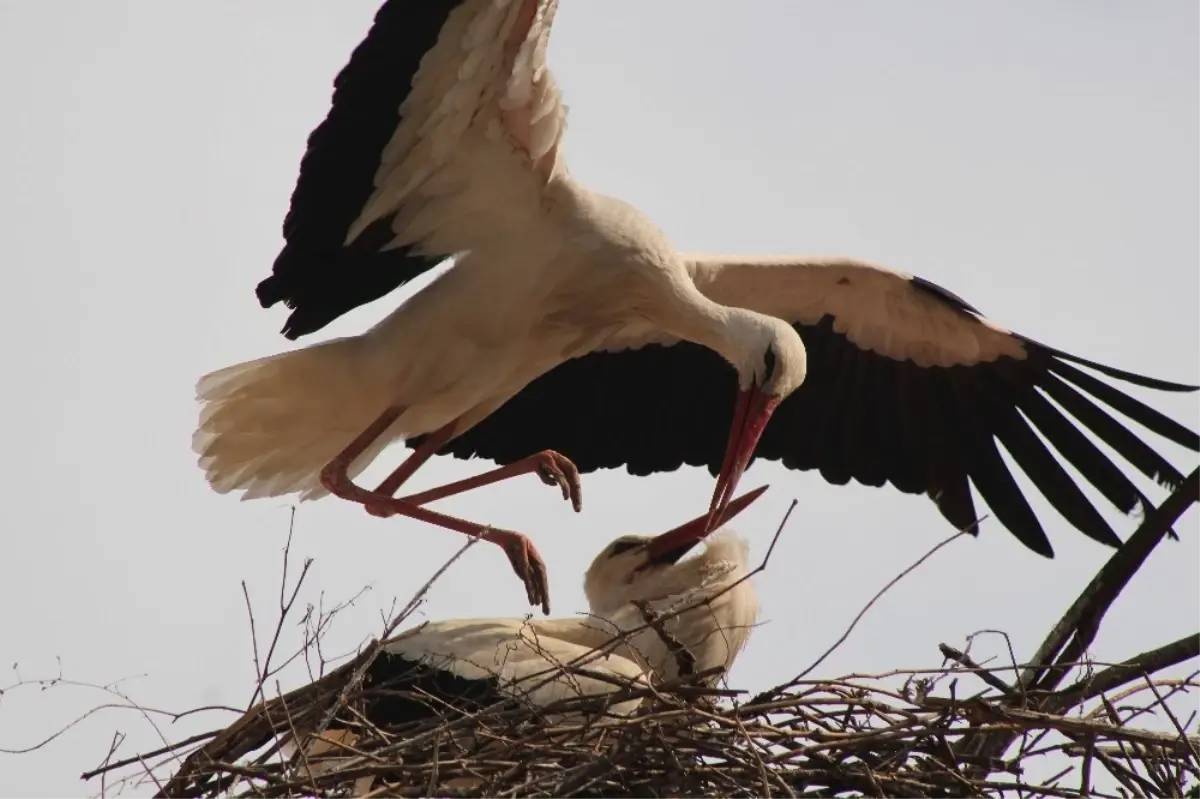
(770, 361)
(623, 546)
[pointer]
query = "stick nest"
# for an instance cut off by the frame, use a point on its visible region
(1058, 725)
(846, 737)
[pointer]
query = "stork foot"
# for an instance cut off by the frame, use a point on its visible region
(557, 469)
(552, 468)
(527, 563)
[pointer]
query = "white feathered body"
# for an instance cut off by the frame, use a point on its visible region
(526, 656)
(471, 170)
(539, 291)
(546, 270)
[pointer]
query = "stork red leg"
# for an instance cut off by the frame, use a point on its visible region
(523, 556)
(391, 484)
(554, 468)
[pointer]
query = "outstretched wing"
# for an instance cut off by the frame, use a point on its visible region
(445, 117)
(907, 385)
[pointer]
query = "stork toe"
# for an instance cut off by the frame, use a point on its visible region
(528, 565)
(557, 469)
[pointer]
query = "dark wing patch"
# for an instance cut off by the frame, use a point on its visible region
(650, 410)
(314, 274)
(397, 691)
(859, 416)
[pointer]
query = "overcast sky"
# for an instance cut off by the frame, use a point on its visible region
(1039, 159)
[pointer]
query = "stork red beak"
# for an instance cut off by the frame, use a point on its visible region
(688, 534)
(750, 417)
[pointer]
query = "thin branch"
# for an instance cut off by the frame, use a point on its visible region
(963, 659)
(685, 661)
(1126, 672)
(1078, 626)
(876, 598)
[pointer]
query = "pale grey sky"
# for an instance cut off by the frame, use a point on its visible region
(1039, 159)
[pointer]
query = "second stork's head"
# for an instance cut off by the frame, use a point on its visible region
(646, 568)
(706, 602)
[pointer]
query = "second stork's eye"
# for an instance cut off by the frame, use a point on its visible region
(624, 545)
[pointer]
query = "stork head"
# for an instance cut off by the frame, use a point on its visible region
(771, 363)
(635, 567)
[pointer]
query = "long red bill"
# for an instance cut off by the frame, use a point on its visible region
(693, 532)
(750, 417)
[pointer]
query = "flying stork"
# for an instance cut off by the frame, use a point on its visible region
(706, 602)
(569, 335)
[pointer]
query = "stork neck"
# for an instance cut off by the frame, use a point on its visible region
(585, 631)
(694, 317)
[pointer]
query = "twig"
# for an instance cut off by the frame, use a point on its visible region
(685, 661)
(285, 607)
(876, 598)
(1130, 670)
(1183, 736)
(963, 659)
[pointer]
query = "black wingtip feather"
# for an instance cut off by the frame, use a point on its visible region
(1135, 409)
(268, 291)
(956, 505)
(316, 273)
(991, 475)
(1111, 432)
(1095, 466)
(1111, 371)
(1036, 461)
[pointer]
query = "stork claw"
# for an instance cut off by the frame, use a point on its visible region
(528, 565)
(554, 468)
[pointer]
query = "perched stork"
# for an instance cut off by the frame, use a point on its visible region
(705, 602)
(569, 324)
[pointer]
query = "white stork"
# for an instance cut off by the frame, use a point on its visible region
(466, 665)
(706, 604)
(569, 324)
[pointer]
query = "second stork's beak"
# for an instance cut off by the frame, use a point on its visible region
(678, 541)
(750, 417)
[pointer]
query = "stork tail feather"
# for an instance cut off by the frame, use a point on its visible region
(271, 425)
